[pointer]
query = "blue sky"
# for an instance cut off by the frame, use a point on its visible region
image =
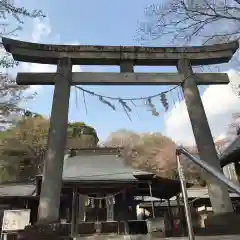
(104, 22)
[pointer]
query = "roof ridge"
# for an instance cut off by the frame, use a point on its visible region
(95, 150)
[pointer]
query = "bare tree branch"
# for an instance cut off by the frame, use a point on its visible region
(10, 93)
(184, 24)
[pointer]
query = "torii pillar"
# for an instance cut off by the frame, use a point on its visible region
(126, 57)
(218, 191)
(48, 210)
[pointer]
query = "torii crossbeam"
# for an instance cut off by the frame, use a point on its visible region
(115, 55)
(127, 57)
(85, 78)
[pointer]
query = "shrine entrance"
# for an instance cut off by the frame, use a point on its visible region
(65, 56)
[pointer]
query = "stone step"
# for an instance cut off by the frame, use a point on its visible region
(146, 237)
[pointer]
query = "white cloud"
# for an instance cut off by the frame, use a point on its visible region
(219, 101)
(33, 67)
(41, 31)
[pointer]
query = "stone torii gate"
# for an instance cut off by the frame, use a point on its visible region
(64, 56)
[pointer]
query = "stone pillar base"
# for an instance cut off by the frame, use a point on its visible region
(44, 232)
(226, 223)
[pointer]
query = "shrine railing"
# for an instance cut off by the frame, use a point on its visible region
(207, 167)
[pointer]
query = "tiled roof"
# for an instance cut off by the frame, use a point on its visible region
(195, 192)
(98, 167)
(17, 189)
(103, 166)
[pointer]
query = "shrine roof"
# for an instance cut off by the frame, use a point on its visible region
(15, 189)
(100, 164)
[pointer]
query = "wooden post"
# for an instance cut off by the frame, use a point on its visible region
(125, 213)
(218, 192)
(73, 212)
(180, 215)
(152, 202)
(48, 210)
(82, 211)
(134, 208)
(171, 220)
